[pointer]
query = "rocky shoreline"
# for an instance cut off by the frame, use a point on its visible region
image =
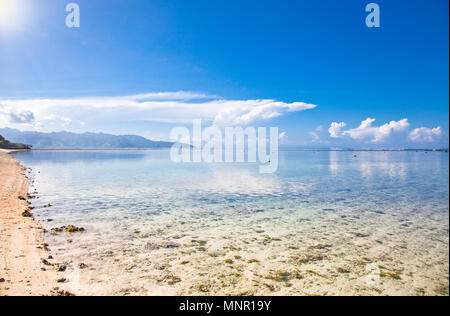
(25, 268)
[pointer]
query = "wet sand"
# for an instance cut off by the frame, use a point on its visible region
(22, 271)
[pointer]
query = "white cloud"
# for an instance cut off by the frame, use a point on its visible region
(335, 129)
(283, 136)
(12, 116)
(425, 135)
(246, 112)
(57, 119)
(180, 95)
(367, 132)
(376, 133)
(316, 133)
(168, 107)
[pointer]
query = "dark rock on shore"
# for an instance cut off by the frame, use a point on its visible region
(71, 229)
(26, 213)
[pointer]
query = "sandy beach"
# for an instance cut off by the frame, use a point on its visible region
(22, 271)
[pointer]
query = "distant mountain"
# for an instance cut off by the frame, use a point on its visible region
(66, 140)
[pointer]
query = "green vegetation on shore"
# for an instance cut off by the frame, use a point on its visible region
(6, 144)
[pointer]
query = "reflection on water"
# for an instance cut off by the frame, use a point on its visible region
(334, 162)
(388, 163)
(142, 213)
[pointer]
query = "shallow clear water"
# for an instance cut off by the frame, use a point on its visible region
(144, 213)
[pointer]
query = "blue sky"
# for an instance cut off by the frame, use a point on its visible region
(316, 60)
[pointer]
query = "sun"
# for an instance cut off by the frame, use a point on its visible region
(9, 13)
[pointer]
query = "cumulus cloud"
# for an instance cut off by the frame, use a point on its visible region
(367, 131)
(13, 116)
(21, 117)
(425, 135)
(394, 132)
(376, 134)
(167, 107)
(335, 129)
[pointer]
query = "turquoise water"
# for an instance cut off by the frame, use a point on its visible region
(151, 208)
(147, 182)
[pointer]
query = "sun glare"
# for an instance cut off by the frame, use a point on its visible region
(9, 14)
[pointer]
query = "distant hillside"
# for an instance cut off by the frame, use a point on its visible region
(6, 144)
(66, 140)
